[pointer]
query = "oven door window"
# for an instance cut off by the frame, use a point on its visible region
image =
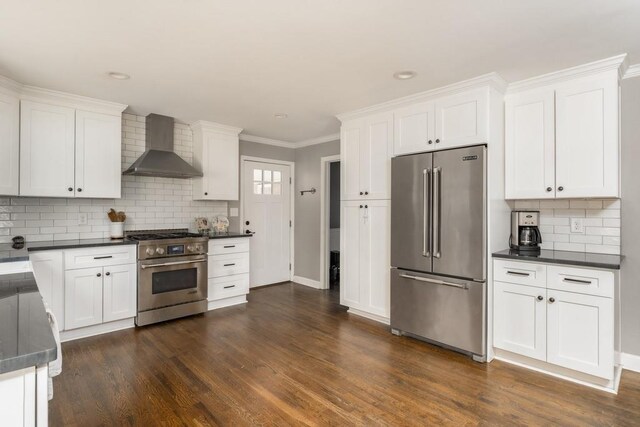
(176, 280)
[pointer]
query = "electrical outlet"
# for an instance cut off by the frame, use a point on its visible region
(577, 225)
(83, 219)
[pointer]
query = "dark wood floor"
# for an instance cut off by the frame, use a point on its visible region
(294, 356)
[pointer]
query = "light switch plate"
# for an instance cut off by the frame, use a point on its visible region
(83, 218)
(577, 225)
(233, 211)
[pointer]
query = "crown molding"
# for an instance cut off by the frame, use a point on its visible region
(10, 85)
(632, 71)
(318, 140)
(267, 141)
(493, 80)
(200, 125)
(618, 62)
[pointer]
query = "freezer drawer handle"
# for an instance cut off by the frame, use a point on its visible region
(581, 282)
(434, 281)
(517, 273)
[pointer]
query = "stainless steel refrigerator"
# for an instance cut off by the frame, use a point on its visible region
(438, 248)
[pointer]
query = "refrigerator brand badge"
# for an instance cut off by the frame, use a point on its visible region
(467, 158)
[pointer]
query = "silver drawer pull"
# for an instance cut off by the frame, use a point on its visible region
(230, 286)
(230, 246)
(517, 273)
(581, 282)
(103, 257)
(229, 265)
(434, 281)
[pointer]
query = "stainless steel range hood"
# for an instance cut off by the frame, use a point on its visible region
(159, 159)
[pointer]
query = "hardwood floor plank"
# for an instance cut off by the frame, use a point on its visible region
(294, 356)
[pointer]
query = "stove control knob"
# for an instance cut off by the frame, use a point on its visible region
(198, 248)
(150, 251)
(160, 251)
(190, 248)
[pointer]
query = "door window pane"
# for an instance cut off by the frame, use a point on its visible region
(257, 174)
(277, 176)
(267, 188)
(267, 176)
(257, 188)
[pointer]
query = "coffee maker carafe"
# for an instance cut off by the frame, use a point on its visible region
(525, 234)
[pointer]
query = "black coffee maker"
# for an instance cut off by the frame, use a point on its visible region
(525, 234)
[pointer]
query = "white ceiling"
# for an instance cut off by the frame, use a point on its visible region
(239, 62)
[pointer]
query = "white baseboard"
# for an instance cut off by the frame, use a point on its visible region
(226, 302)
(307, 282)
(381, 319)
(90, 331)
(630, 362)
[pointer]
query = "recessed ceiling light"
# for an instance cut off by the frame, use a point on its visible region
(280, 115)
(118, 76)
(404, 75)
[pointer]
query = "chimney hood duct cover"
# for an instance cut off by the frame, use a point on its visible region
(159, 159)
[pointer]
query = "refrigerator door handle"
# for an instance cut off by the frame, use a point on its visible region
(426, 217)
(436, 213)
(434, 281)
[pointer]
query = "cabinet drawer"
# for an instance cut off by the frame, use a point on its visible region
(228, 286)
(229, 264)
(580, 280)
(99, 257)
(228, 246)
(522, 273)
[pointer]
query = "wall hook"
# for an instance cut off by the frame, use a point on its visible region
(312, 191)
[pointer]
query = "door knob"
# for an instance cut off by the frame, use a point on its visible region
(79, 189)
(560, 188)
(540, 297)
(366, 193)
(206, 194)
(430, 142)
(361, 193)
(549, 189)
(107, 274)
(437, 141)
(98, 274)
(360, 206)
(70, 188)
(552, 300)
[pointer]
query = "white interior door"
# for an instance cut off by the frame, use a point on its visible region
(267, 213)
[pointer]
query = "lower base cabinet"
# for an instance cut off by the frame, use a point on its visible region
(228, 272)
(24, 397)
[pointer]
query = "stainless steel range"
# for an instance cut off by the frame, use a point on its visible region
(172, 274)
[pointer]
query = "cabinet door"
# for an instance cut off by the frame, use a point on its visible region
(352, 147)
(220, 166)
(375, 157)
(98, 160)
(462, 119)
(82, 297)
(530, 145)
(119, 293)
(18, 396)
(375, 257)
(47, 150)
(414, 129)
(9, 144)
(519, 319)
(587, 142)
(580, 332)
(48, 270)
(350, 284)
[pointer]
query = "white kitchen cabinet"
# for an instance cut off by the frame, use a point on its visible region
(47, 150)
(365, 257)
(18, 398)
(366, 146)
(216, 152)
(580, 332)
(228, 271)
(119, 292)
(83, 297)
(9, 144)
(530, 151)
(414, 128)
(462, 119)
(562, 136)
(48, 270)
(520, 319)
(97, 155)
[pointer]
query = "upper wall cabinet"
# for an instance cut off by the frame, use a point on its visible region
(9, 143)
(562, 137)
(366, 146)
(445, 122)
(216, 151)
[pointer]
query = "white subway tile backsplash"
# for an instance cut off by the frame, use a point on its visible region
(159, 203)
(600, 218)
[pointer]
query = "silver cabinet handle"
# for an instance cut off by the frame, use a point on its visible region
(230, 265)
(436, 213)
(425, 211)
(229, 246)
(434, 281)
(103, 257)
(578, 281)
(517, 273)
(230, 286)
(195, 261)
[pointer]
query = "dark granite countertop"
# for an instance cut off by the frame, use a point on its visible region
(8, 254)
(582, 259)
(229, 235)
(26, 338)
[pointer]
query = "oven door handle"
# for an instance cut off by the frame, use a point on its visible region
(194, 261)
